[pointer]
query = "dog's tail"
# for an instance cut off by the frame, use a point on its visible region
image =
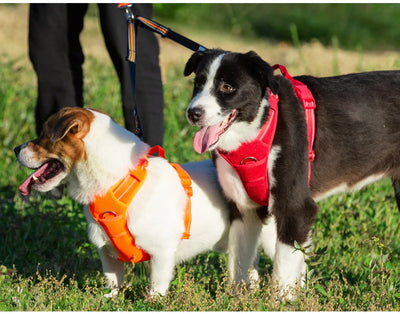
(396, 186)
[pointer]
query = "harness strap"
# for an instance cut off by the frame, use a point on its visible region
(250, 159)
(187, 185)
(307, 99)
(110, 210)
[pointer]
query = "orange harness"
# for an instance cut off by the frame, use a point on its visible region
(110, 210)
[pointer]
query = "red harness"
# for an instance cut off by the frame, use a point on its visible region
(250, 160)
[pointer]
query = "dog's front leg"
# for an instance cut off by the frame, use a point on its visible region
(243, 242)
(289, 269)
(162, 272)
(113, 271)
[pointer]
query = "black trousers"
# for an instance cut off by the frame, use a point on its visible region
(56, 55)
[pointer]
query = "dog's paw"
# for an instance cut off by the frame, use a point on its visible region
(155, 294)
(254, 279)
(113, 292)
(286, 293)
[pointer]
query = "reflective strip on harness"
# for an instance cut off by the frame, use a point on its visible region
(110, 209)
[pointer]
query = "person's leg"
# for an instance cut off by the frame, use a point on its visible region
(149, 92)
(48, 51)
(50, 56)
(76, 13)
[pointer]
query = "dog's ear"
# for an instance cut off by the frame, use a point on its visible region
(193, 62)
(263, 70)
(70, 121)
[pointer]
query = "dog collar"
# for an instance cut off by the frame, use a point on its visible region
(250, 160)
(110, 210)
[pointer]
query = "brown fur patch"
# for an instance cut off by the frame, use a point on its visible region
(62, 136)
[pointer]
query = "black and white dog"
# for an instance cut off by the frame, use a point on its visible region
(357, 142)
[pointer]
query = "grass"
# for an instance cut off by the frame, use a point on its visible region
(47, 264)
(370, 26)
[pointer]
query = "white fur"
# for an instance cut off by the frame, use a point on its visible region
(244, 234)
(241, 132)
(289, 268)
(344, 187)
(289, 265)
(156, 215)
(28, 158)
(206, 99)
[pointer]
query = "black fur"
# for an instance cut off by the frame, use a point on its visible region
(249, 89)
(357, 130)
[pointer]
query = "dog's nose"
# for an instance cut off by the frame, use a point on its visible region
(194, 114)
(17, 150)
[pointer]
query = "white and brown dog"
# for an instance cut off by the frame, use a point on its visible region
(357, 142)
(88, 151)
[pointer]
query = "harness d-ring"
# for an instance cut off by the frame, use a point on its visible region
(111, 212)
(243, 161)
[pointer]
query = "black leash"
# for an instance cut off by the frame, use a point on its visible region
(132, 22)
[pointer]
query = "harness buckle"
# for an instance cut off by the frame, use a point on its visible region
(311, 155)
(309, 104)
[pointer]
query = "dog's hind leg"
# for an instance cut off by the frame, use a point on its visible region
(268, 237)
(396, 186)
(243, 242)
(162, 271)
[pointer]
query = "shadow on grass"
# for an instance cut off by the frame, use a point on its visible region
(45, 235)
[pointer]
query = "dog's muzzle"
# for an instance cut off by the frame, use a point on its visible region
(194, 115)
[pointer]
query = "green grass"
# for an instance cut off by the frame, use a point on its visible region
(46, 262)
(357, 25)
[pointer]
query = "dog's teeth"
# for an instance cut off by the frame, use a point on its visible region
(225, 121)
(35, 178)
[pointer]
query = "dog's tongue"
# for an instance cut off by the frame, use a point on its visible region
(209, 135)
(26, 186)
(205, 137)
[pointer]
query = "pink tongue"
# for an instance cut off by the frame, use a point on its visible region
(25, 187)
(205, 137)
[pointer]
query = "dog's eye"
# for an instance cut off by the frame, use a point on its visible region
(226, 88)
